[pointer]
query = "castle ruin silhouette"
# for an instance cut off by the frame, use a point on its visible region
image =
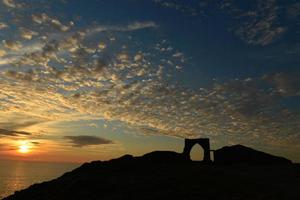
(203, 142)
(231, 154)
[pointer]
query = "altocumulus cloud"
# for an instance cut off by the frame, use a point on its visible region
(258, 25)
(73, 73)
(85, 140)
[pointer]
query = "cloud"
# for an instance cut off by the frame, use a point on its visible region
(11, 4)
(2, 52)
(44, 19)
(35, 143)
(67, 75)
(140, 25)
(13, 144)
(12, 45)
(84, 140)
(189, 9)
(2, 147)
(3, 25)
(287, 84)
(259, 26)
(27, 34)
(293, 11)
(134, 26)
(6, 132)
(6, 147)
(16, 125)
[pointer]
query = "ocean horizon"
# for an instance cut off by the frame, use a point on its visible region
(18, 175)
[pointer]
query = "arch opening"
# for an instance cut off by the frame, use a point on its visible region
(197, 153)
(189, 144)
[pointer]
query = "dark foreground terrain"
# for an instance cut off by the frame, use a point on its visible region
(163, 175)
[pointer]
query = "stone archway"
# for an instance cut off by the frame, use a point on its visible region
(203, 142)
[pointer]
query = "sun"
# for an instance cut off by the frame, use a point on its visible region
(24, 148)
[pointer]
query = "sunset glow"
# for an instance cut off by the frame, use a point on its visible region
(88, 80)
(94, 80)
(24, 148)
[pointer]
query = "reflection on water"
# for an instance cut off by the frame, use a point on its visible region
(16, 175)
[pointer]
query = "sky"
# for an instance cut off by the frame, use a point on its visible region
(94, 80)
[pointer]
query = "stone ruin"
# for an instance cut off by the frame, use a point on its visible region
(231, 154)
(203, 142)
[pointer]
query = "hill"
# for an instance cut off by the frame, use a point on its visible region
(166, 175)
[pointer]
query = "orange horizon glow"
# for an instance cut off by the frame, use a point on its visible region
(24, 147)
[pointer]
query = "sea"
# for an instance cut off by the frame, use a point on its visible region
(17, 175)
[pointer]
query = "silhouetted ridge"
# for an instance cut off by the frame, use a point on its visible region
(163, 156)
(241, 154)
(169, 175)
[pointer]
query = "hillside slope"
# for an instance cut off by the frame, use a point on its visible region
(163, 175)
